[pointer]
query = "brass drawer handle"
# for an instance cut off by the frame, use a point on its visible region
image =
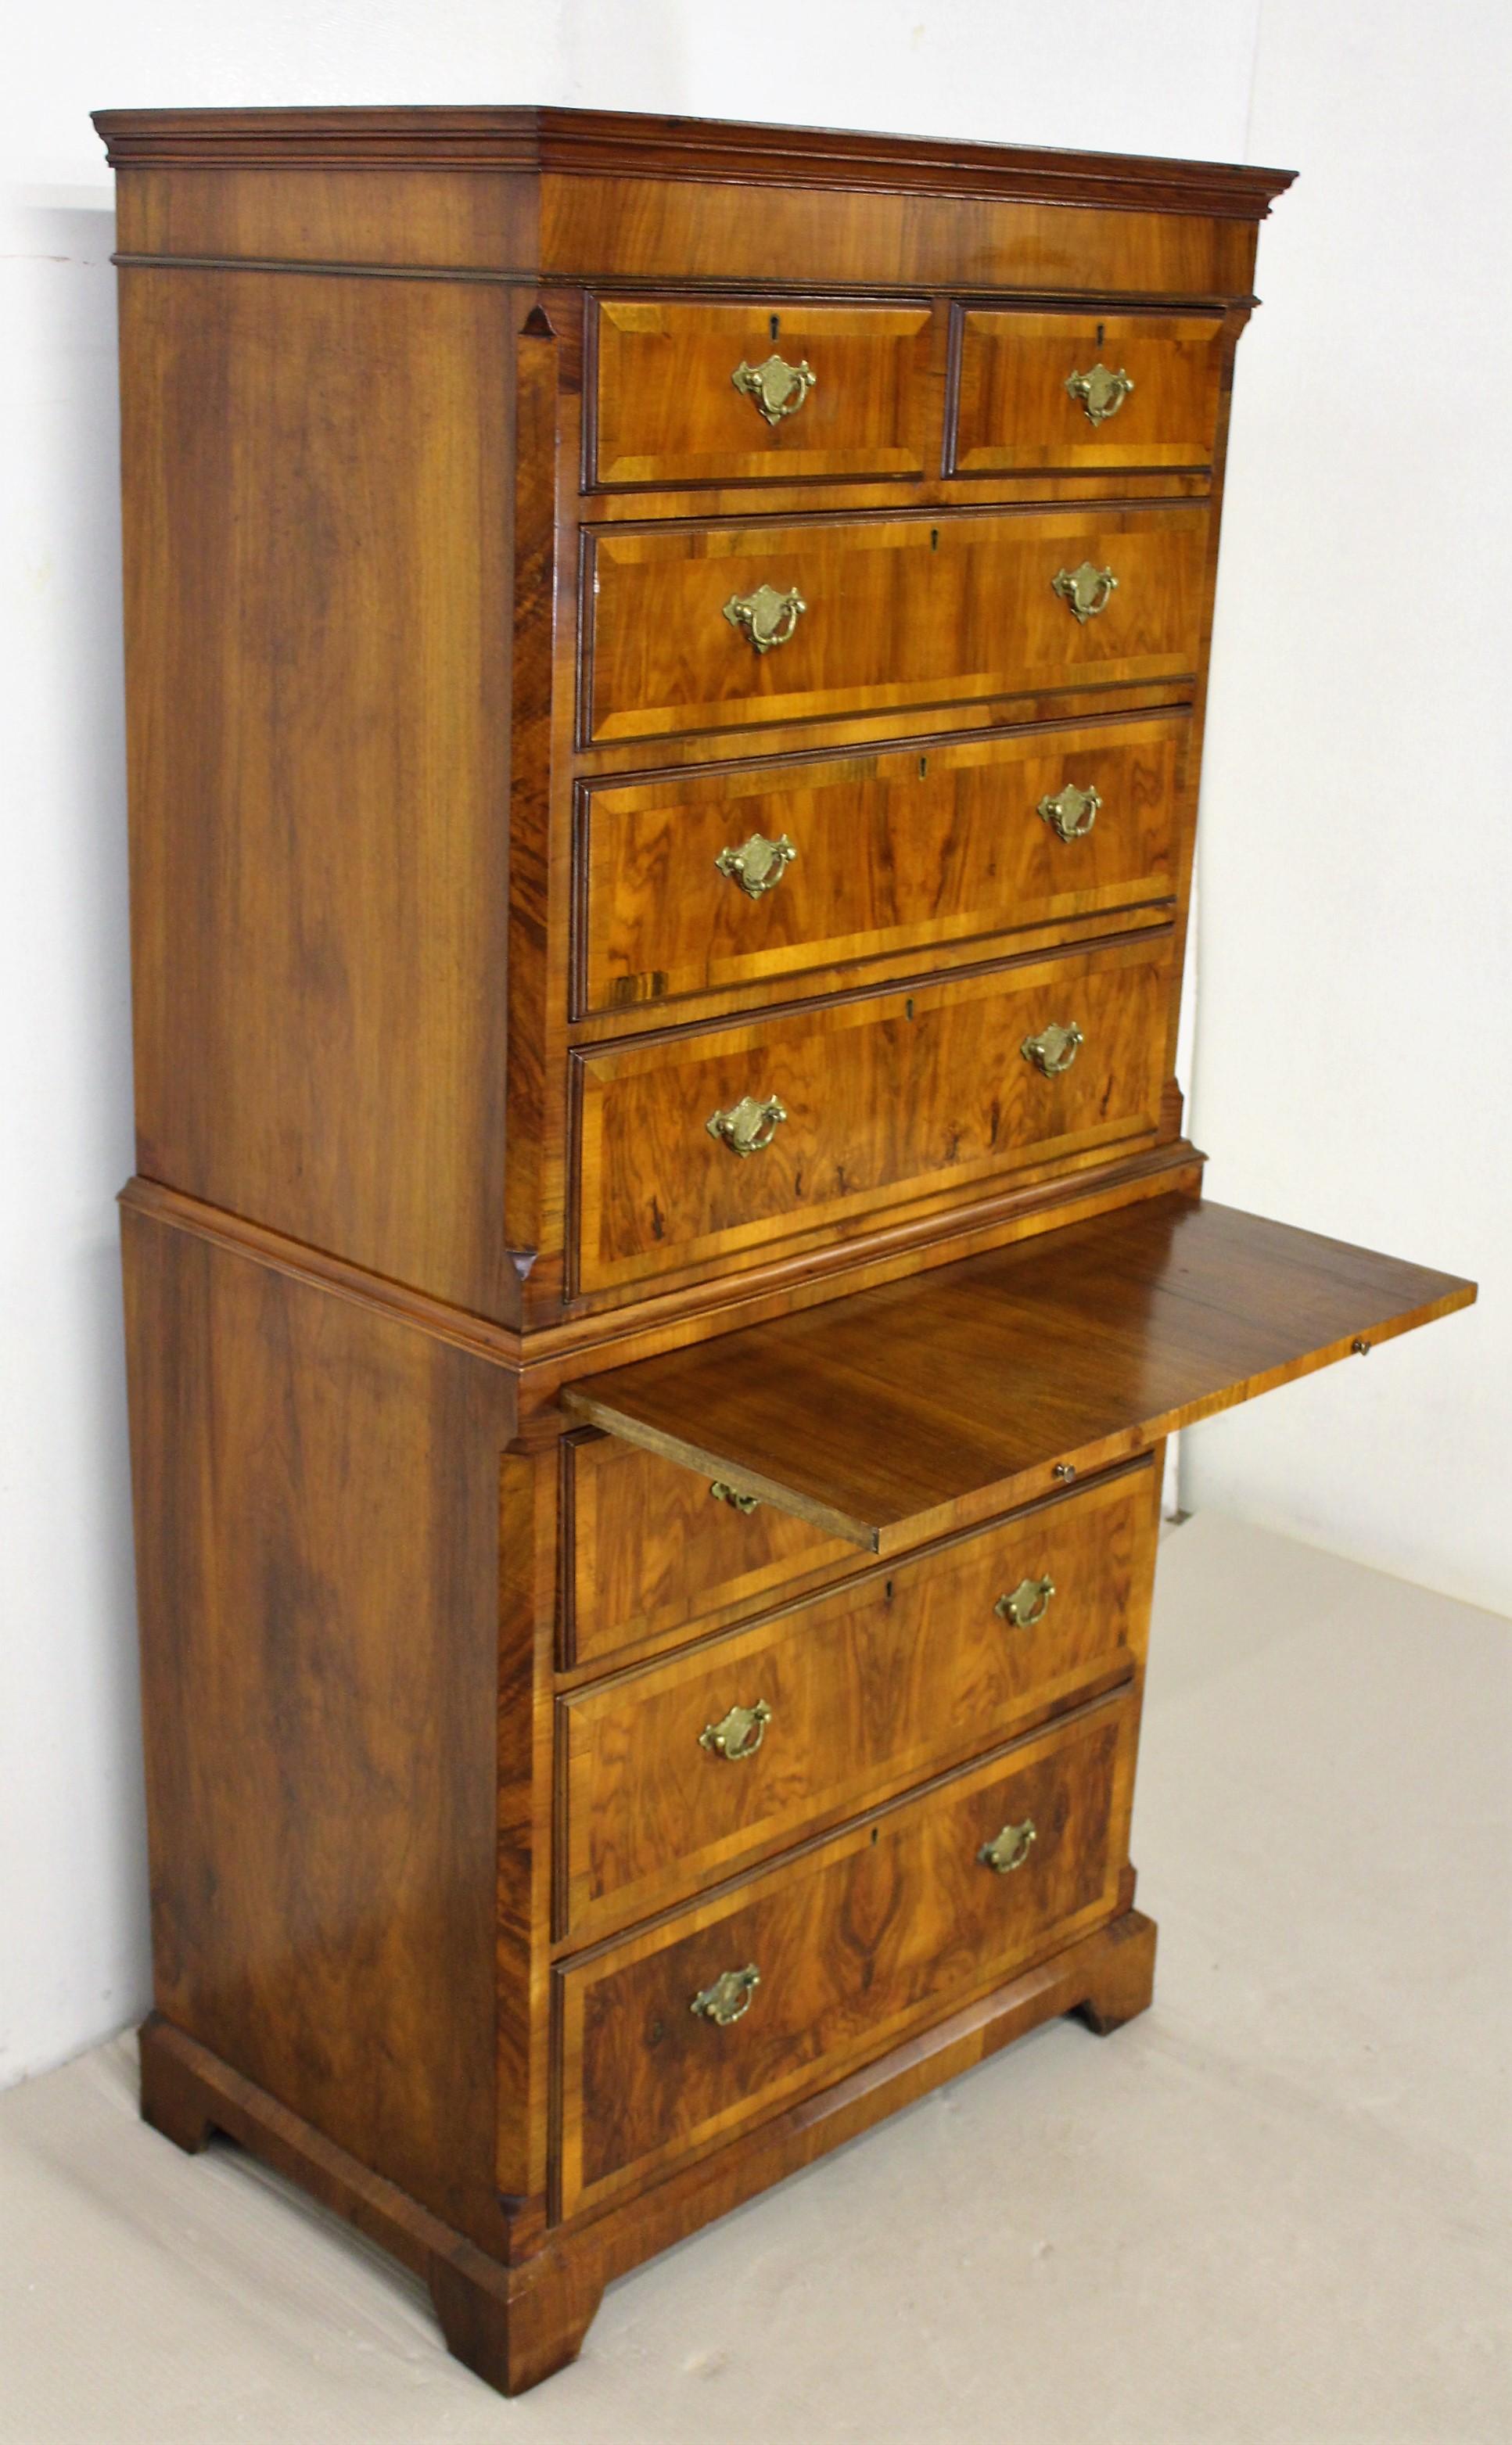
(745, 1504)
(1071, 812)
(1029, 1603)
(759, 866)
(1085, 592)
(1053, 1049)
(739, 1734)
(1009, 1849)
(767, 617)
(749, 1125)
(777, 388)
(1101, 393)
(729, 1998)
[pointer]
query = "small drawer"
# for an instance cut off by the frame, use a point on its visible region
(688, 2033)
(1083, 391)
(699, 881)
(683, 1771)
(694, 1146)
(709, 627)
(657, 1551)
(759, 392)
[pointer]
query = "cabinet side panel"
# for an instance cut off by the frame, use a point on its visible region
(317, 537)
(317, 1551)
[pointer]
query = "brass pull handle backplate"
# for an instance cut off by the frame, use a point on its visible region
(777, 388)
(1053, 1049)
(1009, 1849)
(728, 1997)
(739, 1734)
(1085, 592)
(1071, 812)
(742, 1503)
(1101, 393)
(757, 867)
(767, 617)
(749, 1125)
(1028, 1603)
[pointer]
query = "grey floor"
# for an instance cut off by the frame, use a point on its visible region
(1273, 2209)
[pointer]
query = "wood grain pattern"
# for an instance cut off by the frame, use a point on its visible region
(668, 411)
(885, 1096)
(317, 521)
(894, 854)
(958, 1393)
(897, 1675)
(1013, 410)
(857, 1938)
(899, 612)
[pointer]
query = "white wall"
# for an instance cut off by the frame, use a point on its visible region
(1172, 75)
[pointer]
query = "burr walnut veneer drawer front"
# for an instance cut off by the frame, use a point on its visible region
(697, 1145)
(696, 881)
(1073, 391)
(680, 1771)
(685, 2034)
(690, 393)
(706, 627)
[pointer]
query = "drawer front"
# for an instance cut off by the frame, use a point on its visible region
(728, 878)
(860, 1939)
(1145, 390)
(654, 1552)
(822, 390)
(896, 613)
(682, 1771)
(880, 1097)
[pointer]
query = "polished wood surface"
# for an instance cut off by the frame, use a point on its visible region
(1014, 411)
(894, 852)
(668, 410)
(896, 1675)
(854, 1940)
(901, 611)
(906, 1411)
(882, 1093)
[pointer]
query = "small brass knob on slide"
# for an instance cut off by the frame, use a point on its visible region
(745, 1503)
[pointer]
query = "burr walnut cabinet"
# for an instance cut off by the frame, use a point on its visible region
(665, 668)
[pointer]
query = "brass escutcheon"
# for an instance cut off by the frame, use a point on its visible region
(1101, 393)
(777, 388)
(1071, 812)
(1029, 1603)
(766, 617)
(749, 1125)
(1085, 592)
(1053, 1049)
(728, 1997)
(757, 867)
(1009, 1849)
(739, 1734)
(742, 1503)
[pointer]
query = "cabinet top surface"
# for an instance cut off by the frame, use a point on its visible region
(641, 144)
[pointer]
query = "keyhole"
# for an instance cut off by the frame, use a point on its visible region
(875, 1831)
(924, 766)
(907, 1011)
(776, 326)
(934, 538)
(1101, 328)
(888, 1591)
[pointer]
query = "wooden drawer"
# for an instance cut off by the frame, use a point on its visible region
(904, 612)
(890, 852)
(887, 1098)
(653, 1552)
(859, 1938)
(851, 1695)
(1014, 410)
(668, 410)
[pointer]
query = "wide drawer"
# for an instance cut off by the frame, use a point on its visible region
(693, 882)
(682, 1771)
(1082, 390)
(879, 1096)
(765, 390)
(655, 1550)
(830, 1957)
(884, 613)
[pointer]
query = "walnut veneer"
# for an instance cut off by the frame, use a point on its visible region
(665, 674)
